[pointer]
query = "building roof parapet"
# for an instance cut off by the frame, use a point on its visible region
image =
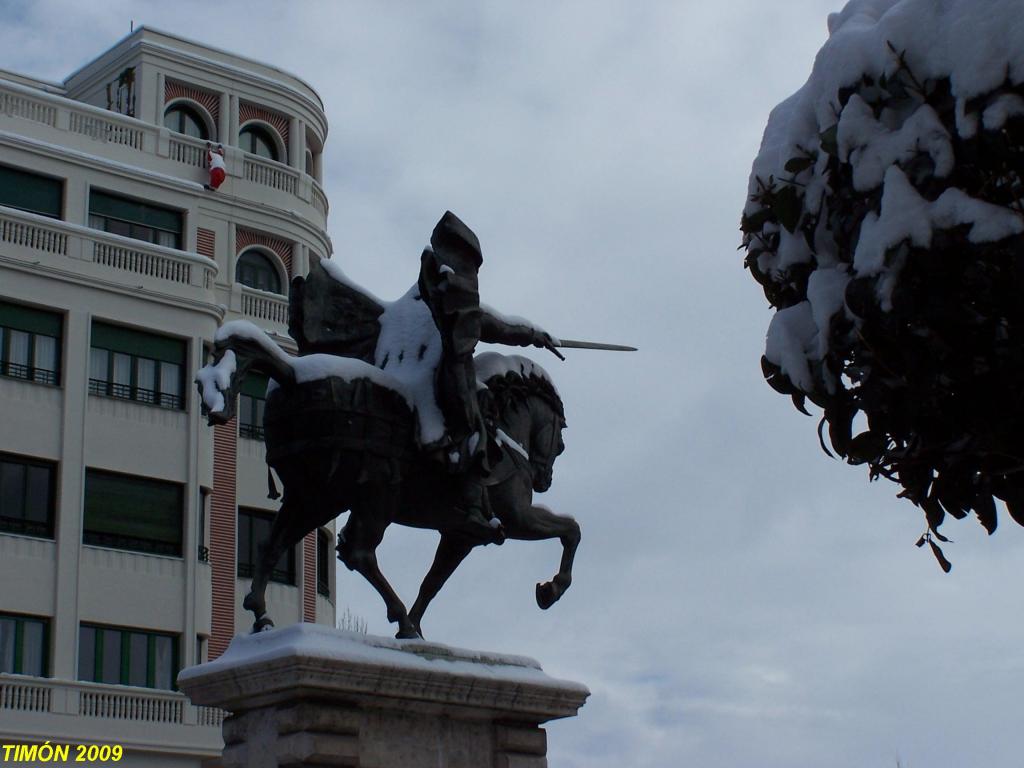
(47, 86)
(207, 58)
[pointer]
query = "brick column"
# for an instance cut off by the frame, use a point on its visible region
(309, 577)
(223, 520)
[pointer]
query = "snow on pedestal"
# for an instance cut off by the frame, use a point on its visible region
(313, 695)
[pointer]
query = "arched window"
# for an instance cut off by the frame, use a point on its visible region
(184, 119)
(258, 141)
(257, 271)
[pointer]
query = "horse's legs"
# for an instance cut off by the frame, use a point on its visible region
(357, 546)
(536, 523)
(451, 551)
(287, 530)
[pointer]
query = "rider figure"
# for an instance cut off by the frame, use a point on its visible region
(448, 285)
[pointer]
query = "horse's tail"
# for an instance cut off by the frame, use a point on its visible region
(239, 347)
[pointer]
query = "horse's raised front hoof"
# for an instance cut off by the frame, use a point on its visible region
(547, 594)
(263, 624)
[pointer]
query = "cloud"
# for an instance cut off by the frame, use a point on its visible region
(739, 598)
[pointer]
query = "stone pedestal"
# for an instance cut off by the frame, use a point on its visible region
(311, 695)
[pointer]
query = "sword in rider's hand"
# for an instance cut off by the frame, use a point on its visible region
(574, 344)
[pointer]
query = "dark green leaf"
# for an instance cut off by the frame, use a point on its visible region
(799, 164)
(1016, 510)
(787, 207)
(943, 562)
(955, 510)
(865, 447)
(776, 379)
(840, 425)
(755, 221)
(830, 140)
(798, 400)
(933, 513)
(985, 509)
(821, 438)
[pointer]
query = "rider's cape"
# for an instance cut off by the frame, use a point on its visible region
(329, 314)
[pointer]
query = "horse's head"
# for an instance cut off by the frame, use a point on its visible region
(545, 442)
(527, 407)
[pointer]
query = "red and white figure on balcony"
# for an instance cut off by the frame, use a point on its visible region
(215, 160)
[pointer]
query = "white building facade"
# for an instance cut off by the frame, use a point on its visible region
(127, 526)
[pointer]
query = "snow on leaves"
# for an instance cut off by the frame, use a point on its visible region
(885, 223)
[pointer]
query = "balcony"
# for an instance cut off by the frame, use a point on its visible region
(34, 708)
(100, 256)
(263, 306)
(80, 127)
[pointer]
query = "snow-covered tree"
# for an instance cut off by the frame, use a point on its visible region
(885, 222)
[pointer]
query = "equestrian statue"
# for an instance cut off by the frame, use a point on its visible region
(387, 413)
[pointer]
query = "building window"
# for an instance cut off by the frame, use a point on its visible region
(31, 192)
(251, 402)
(134, 365)
(24, 642)
(134, 219)
(257, 271)
(309, 163)
(254, 529)
(134, 513)
(127, 657)
(185, 119)
(29, 344)
(323, 562)
(257, 141)
(27, 494)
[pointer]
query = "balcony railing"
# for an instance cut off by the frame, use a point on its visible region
(138, 394)
(188, 151)
(251, 431)
(36, 236)
(271, 174)
(320, 199)
(24, 696)
(131, 258)
(15, 104)
(108, 702)
(263, 305)
(70, 244)
(27, 372)
(130, 706)
(103, 126)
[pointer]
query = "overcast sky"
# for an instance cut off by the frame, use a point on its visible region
(739, 599)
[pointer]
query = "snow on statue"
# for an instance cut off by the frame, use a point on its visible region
(386, 413)
(884, 221)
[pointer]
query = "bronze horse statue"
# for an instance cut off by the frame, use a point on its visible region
(341, 438)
